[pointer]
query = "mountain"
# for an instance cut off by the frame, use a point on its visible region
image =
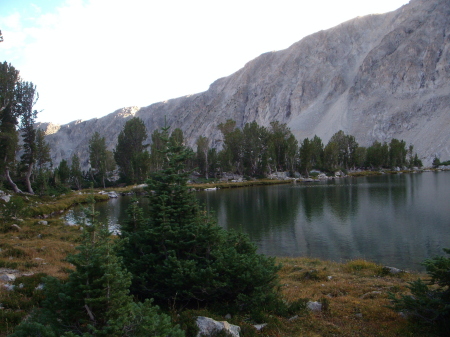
(376, 77)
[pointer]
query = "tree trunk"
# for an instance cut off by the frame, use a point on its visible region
(13, 185)
(27, 178)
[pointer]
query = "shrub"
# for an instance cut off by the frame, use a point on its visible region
(95, 300)
(181, 257)
(429, 302)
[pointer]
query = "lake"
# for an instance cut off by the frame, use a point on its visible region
(395, 220)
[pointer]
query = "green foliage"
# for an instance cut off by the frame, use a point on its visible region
(305, 157)
(62, 173)
(130, 154)
(180, 257)
(397, 153)
(15, 208)
(436, 162)
(42, 150)
(202, 155)
(100, 159)
(429, 303)
(76, 175)
(95, 301)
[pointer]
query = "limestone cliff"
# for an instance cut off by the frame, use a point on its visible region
(375, 77)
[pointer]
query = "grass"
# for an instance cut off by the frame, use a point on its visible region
(354, 295)
(221, 185)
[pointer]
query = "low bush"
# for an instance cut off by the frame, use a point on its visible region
(429, 302)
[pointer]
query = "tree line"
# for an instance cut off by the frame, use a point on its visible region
(175, 256)
(257, 151)
(252, 151)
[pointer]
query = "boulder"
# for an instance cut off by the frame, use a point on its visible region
(393, 270)
(113, 194)
(16, 227)
(314, 306)
(5, 198)
(6, 277)
(207, 326)
(372, 294)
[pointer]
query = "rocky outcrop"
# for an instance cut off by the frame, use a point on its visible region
(375, 77)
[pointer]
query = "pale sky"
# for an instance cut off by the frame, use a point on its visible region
(89, 58)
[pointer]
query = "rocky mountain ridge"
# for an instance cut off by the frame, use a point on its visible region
(376, 77)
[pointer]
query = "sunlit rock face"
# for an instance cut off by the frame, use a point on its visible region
(376, 77)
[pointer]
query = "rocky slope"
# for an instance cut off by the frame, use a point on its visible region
(375, 77)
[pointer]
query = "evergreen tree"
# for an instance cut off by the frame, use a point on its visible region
(305, 157)
(316, 152)
(255, 149)
(232, 154)
(99, 157)
(11, 94)
(42, 150)
(202, 155)
(8, 145)
(429, 302)
(28, 157)
(42, 159)
(95, 300)
(16, 100)
(156, 159)
(62, 173)
(130, 154)
(76, 175)
(179, 256)
(397, 153)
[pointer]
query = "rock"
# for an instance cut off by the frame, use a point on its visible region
(113, 194)
(5, 198)
(314, 306)
(377, 77)
(260, 326)
(393, 270)
(227, 316)
(208, 326)
(9, 287)
(40, 286)
(372, 294)
(16, 227)
(43, 222)
(7, 277)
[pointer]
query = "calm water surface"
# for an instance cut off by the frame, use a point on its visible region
(395, 220)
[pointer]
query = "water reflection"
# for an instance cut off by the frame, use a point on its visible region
(396, 220)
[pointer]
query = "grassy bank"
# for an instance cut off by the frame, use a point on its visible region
(221, 185)
(353, 294)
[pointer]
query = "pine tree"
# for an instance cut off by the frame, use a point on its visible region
(179, 255)
(76, 175)
(95, 300)
(130, 154)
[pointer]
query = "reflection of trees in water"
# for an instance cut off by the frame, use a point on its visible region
(343, 200)
(258, 209)
(312, 198)
(390, 190)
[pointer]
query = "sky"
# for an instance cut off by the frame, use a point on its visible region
(89, 58)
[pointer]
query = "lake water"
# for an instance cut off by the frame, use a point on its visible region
(395, 220)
